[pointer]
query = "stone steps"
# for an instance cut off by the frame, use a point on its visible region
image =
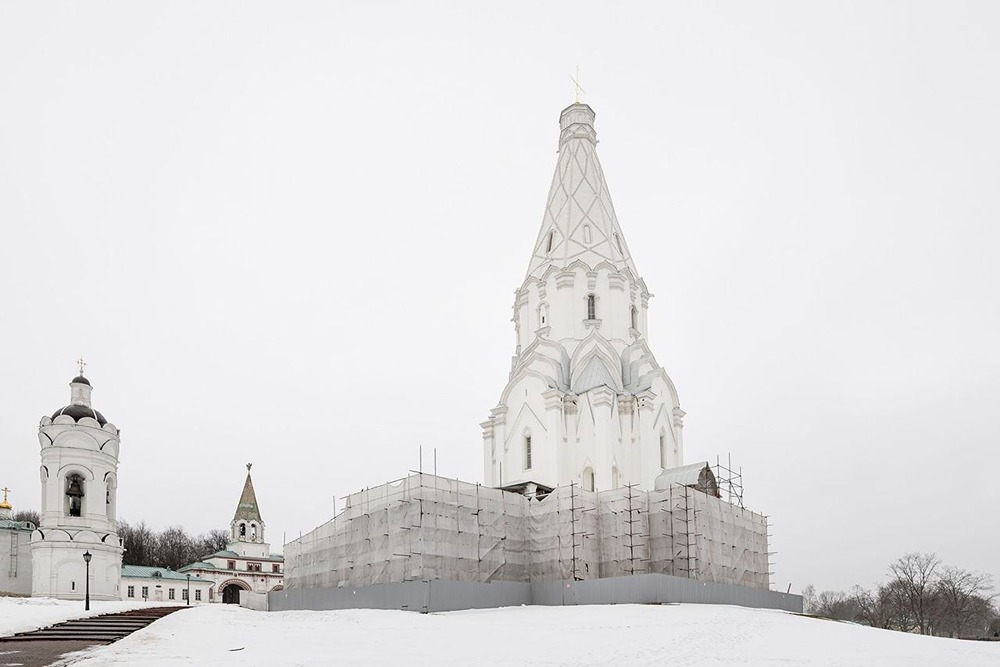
(103, 629)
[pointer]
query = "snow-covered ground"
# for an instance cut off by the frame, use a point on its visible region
(22, 614)
(541, 636)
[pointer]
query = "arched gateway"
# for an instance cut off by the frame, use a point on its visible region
(230, 590)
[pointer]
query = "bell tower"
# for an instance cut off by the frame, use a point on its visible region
(79, 480)
(246, 530)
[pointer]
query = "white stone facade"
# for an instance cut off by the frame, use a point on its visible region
(586, 401)
(79, 479)
(15, 551)
(157, 584)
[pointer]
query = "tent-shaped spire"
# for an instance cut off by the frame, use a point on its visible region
(579, 221)
(247, 510)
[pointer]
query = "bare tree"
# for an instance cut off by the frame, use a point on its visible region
(963, 596)
(140, 543)
(915, 576)
(836, 604)
(175, 548)
(809, 599)
(28, 516)
(212, 541)
(875, 608)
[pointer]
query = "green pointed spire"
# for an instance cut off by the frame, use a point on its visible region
(247, 510)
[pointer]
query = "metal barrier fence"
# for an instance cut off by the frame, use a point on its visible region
(438, 595)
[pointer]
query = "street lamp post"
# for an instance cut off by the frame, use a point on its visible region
(189, 590)
(86, 559)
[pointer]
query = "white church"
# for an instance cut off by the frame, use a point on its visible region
(586, 497)
(586, 401)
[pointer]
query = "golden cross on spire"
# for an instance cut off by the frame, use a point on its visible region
(5, 492)
(576, 83)
(81, 363)
(249, 465)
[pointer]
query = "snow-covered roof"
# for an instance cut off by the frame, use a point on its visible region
(146, 572)
(16, 525)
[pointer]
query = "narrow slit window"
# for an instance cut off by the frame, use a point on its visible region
(591, 307)
(586, 234)
(551, 240)
(635, 318)
(663, 450)
(618, 242)
(527, 452)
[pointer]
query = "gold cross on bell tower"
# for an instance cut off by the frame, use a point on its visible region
(81, 363)
(576, 84)
(5, 504)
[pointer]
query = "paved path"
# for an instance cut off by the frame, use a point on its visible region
(48, 645)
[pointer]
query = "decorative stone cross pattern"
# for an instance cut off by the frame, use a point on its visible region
(82, 364)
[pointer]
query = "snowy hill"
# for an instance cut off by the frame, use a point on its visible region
(540, 636)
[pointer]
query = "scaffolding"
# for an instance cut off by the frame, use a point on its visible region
(425, 527)
(730, 480)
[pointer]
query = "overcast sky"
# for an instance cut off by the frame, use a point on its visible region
(289, 233)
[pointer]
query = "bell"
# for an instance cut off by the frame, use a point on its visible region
(75, 490)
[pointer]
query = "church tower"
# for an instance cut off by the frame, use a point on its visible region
(79, 478)
(586, 402)
(246, 530)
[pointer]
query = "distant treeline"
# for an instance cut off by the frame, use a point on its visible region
(171, 547)
(922, 595)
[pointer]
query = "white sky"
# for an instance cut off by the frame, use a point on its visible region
(289, 233)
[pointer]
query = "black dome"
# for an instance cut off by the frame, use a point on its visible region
(78, 412)
(81, 380)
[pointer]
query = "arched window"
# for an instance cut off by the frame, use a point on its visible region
(110, 497)
(586, 234)
(253, 531)
(615, 478)
(588, 479)
(635, 318)
(551, 240)
(527, 452)
(74, 494)
(543, 314)
(243, 530)
(663, 449)
(591, 307)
